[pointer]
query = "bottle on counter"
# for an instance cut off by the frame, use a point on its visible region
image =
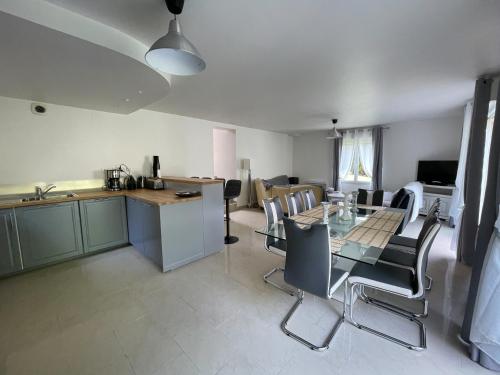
(156, 167)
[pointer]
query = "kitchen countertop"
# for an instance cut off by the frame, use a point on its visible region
(156, 197)
(190, 180)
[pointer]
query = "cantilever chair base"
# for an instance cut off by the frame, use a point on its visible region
(429, 282)
(276, 285)
(392, 309)
(326, 343)
(388, 306)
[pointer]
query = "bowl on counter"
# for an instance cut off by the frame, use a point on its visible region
(187, 194)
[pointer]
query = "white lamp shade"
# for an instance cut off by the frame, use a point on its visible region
(174, 54)
(334, 134)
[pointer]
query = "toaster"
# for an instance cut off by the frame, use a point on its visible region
(154, 184)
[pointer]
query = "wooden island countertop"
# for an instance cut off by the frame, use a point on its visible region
(192, 180)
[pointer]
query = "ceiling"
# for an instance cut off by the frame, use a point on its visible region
(49, 66)
(291, 65)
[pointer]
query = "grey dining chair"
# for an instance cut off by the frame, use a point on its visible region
(397, 256)
(308, 267)
(294, 204)
(274, 213)
(397, 281)
(412, 242)
(309, 199)
(377, 197)
(404, 199)
(401, 251)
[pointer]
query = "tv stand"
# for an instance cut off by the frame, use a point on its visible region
(444, 193)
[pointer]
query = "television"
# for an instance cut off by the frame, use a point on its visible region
(437, 172)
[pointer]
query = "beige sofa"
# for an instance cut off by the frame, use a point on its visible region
(281, 190)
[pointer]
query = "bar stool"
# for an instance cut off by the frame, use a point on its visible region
(231, 190)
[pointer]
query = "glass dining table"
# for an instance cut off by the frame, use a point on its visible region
(340, 228)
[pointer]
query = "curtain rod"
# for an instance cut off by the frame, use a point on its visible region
(362, 128)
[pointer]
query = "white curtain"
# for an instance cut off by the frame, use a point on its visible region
(457, 200)
(365, 147)
(348, 153)
(485, 330)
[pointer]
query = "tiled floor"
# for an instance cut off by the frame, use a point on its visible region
(115, 313)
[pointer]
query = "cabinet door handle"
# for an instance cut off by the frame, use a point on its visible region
(11, 223)
(14, 231)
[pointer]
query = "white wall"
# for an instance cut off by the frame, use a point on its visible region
(404, 144)
(407, 143)
(75, 144)
(312, 156)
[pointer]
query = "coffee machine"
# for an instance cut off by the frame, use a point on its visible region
(113, 179)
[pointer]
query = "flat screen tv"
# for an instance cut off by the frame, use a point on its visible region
(437, 172)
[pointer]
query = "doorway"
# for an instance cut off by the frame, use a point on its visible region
(224, 153)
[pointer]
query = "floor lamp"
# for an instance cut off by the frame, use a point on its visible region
(245, 166)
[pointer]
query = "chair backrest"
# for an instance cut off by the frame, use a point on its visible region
(232, 189)
(294, 204)
(309, 199)
(396, 199)
(273, 210)
(429, 221)
(407, 203)
(432, 217)
(404, 199)
(274, 213)
(308, 258)
(422, 259)
(377, 197)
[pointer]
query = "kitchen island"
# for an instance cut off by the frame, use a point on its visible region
(175, 232)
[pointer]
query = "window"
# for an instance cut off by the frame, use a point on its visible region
(356, 160)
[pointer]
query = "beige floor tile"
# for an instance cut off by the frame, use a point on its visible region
(115, 313)
(147, 345)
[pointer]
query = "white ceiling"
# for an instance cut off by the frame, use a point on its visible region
(49, 66)
(291, 65)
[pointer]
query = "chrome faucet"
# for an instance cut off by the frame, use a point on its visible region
(40, 193)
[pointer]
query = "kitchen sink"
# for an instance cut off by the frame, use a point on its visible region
(49, 197)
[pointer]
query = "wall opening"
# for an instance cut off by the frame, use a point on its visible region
(224, 150)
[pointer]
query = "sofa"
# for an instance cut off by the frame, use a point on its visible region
(279, 186)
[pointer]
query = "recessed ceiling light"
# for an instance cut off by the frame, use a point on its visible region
(127, 100)
(139, 92)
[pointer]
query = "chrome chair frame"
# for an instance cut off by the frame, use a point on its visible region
(382, 304)
(433, 210)
(394, 310)
(267, 276)
(326, 343)
(419, 295)
(276, 285)
(309, 268)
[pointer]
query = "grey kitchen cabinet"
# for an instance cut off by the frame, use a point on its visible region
(104, 223)
(169, 235)
(135, 226)
(144, 229)
(213, 218)
(10, 255)
(151, 232)
(182, 233)
(49, 233)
